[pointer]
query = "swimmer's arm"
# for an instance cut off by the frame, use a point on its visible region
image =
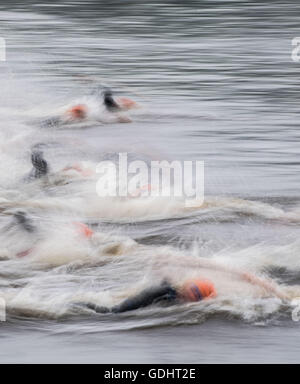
(122, 119)
(145, 298)
(264, 283)
(268, 285)
(115, 118)
(96, 308)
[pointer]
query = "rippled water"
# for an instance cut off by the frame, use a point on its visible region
(216, 82)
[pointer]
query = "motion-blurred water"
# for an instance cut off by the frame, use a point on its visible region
(216, 82)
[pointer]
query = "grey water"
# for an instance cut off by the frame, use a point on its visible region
(218, 84)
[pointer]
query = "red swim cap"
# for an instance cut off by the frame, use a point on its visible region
(78, 112)
(196, 290)
(84, 230)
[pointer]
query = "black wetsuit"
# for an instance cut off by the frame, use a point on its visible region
(40, 165)
(24, 221)
(109, 101)
(162, 293)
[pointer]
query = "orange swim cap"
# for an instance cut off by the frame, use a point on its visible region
(196, 290)
(78, 112)
(84, 230)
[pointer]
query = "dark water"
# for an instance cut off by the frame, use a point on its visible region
(218, 84)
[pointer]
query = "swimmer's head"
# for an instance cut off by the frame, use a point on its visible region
(78, 112)
(197, 290)
(107, 92)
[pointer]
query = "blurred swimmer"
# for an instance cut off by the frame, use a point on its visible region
(41, 169)
(191, 291)
(82, 112)
(77, 171)
(26, 224)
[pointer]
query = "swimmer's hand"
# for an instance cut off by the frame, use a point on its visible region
(123, 119)
(97, 309)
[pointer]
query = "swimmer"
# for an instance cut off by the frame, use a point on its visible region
(41, 169)
(23, 221)
(77, 171)
(191, 291)
(81, 112)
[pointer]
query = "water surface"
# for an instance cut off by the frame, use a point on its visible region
(217, 83)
